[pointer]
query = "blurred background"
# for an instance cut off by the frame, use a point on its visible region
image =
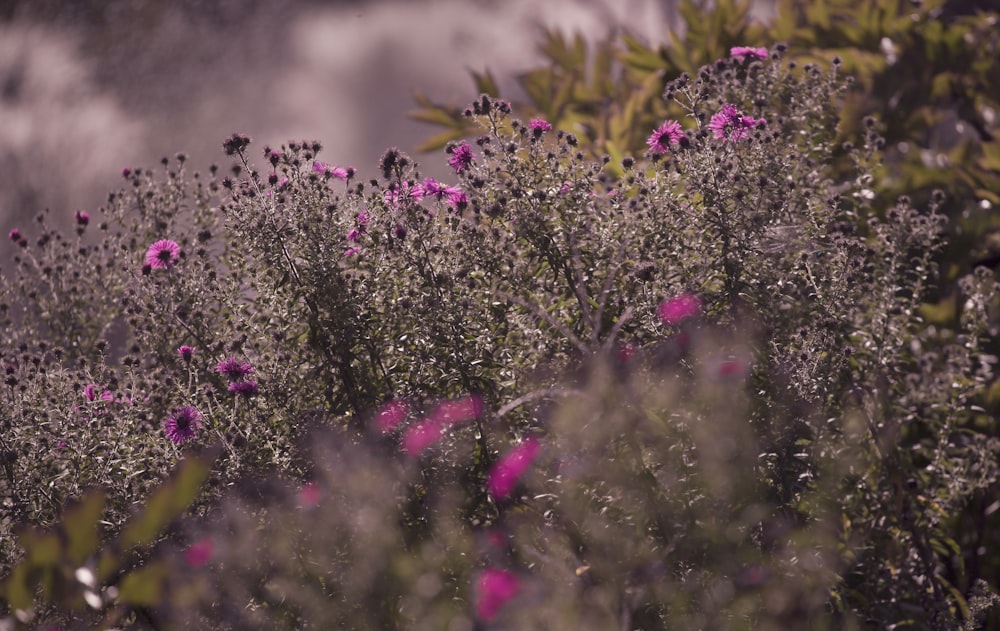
(91, 86)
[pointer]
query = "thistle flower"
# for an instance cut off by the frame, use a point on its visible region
(667, 134)
(742, 52)
(233, 368)
(539, 126)
(186, 353)
(183, 425)
(82, 217)
(163, 254)
(246, 389)
(461, 157)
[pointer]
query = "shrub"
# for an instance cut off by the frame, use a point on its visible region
(700, 394)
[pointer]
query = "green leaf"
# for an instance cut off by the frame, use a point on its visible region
(143, 587)
(168, 501)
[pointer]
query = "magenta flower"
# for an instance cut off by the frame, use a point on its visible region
(233, 368)
(508, 470)
(186, 353)
(200, 553)
(329, 170)
(14, 235)
(540, 125)
(494, 588)
(351, 252)
(354, 235)
(420, 436)
(309, 495)
(183, 425)
(667, 134)
(743, 52)
(163, 254)
(399, 196)
(363, 219)
(731, 124)
(675, 310)
(461, 157)
(458, 411)
(390, 416)
(246, 389)
(82, 217)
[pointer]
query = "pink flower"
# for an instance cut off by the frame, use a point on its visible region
(731, 124)
(200, 553)
(233, 368)
(494, 588)
(186, 353)
(14, 235)
(675, 310)
(420, 436)
(309, 495)
(354, 235)
(163, 254)
(399, 196)
(82, 217)
(183, 425)
(461, 157)
(329, 170)
(506, 472)
(540, 125)
(667, 134)
(390, 416)
(744, 51)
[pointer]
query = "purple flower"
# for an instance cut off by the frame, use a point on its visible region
(669, 133)
(390, 416)
(14, 235)
(233, 368)
(494, 588)
(675, 310)
(82, 217)
(731, 124)
(540, 125)
(354, 235)
(461, 157)
(329, 170)
(399, 196)
(420, 436)
(244, 388)
(745, 51)
(163, 254)
(351, 251)
(363, 219)
(186, 353)
(183, 425)
(508, 470)
(200, 553)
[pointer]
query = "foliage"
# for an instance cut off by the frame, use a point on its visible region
(700, 394)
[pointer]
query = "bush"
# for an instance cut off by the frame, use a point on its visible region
(700, 394)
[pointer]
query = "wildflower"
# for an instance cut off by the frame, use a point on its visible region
(390, 416)
(743, 52)
(233, 368)
(90, 391)
(14, 235)
(398, 196)
(680, 308)
(246, 389)
(494, 588)
(186, 353)
(363, 219)
(182, 426)
(458, 411)
(309, 495)
(354, 235)
(667, 134)
(731, 124)
(461, 157)
(82, 217)
(420, 436)
(506, 472)
(163, 254)
(539, 126)
(200, 553)
(329, 170)
(351, 251)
